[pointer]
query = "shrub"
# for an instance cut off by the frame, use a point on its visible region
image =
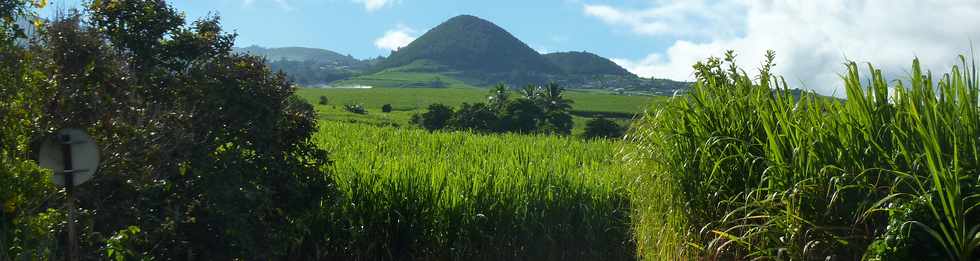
(323, 100)
(476, 117)
(355, 108)
(386, 108)
(603, 128)
(437, 117)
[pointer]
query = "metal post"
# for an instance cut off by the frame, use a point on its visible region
(72, 253)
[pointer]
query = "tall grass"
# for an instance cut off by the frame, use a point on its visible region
(411, 194)
(742, 169)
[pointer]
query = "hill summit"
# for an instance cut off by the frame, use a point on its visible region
(472, 45)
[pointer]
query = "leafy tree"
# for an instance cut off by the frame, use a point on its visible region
(603, 128)
(27, 227)
(521, 116)
(476, 117)
(556, 123)
(324, 100)
(437, 117)
(208, 154)
(386, 108)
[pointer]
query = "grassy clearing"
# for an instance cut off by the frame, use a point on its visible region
(735, 171)
(411, 194)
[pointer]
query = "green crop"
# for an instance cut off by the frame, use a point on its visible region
(742, 169)
(411, 194)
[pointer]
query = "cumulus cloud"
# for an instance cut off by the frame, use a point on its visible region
(396, 38)
(372, 5)
(812, 39)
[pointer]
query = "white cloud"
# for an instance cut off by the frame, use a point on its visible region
(692, 18)
(372, 5)
(812, 39)
(397, 38)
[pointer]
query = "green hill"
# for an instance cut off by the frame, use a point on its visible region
(585, 63)
(478, 50)
(300, 54)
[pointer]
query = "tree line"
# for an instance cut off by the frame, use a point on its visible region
(535, 109)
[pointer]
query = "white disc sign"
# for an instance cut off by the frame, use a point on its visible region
(83, 151)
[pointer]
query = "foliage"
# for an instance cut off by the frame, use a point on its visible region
(735, 170)
(476, 117)
(386, 108)
(201, 147)
(414, 195)
(585, 63)
(437, 117)
(603, 128)
(323, 100)
(27, 227)
(355, 108)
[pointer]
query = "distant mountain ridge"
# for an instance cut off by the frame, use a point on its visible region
(299, 54)
(468, 49)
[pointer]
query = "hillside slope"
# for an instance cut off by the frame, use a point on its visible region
(586, 63)
(477, 49)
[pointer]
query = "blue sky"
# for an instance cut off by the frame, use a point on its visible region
(353, 27)
(651, 38)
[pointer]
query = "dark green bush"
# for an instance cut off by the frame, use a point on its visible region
(436, 118)
(603, 128)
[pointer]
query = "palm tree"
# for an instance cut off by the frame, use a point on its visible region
(498, 96)
(530, 91)
(553, 100)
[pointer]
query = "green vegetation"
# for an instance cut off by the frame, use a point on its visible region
(540, 110)
(207, 154)
(403, 79)
(585, 63)
(210, 155)
(406, 102)
(603, 128)
(411, 194)
(468, 43)
(737, 171)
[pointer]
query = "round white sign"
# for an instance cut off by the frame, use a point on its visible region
(81, 148)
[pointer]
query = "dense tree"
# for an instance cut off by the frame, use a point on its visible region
(206, 154)
(557, 118)
(27, 227)
(521, 116)
(437, 117)
(603, 128)
(476, 117)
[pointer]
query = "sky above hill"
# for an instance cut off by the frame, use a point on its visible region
(657, 38)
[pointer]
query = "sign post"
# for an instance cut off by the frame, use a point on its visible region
(74, 158)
